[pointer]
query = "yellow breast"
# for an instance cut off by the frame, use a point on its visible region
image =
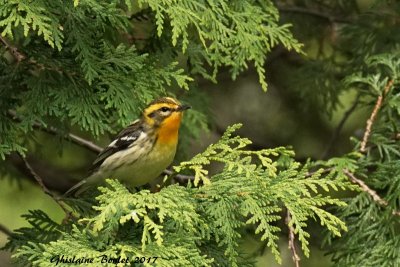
(168, 131)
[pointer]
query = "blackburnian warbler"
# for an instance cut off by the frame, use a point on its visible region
(140, 152)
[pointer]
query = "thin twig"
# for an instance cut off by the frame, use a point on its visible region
(19, 56)
(309, 174)
(364, 187)
(55, 178)
(5, 230)
(14, 51)
(372, 118)
(180, 178)
(80, 141)
(43, 186)
(54, 131)
(339, 127)
(292, 245)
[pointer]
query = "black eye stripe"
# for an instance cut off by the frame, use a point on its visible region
(165, 109)
(160, 111)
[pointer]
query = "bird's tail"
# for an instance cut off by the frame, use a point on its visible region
(78, 189)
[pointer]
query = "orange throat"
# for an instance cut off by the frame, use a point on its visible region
(169, 129)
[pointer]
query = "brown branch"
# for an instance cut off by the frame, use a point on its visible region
(180, 178)
(19, 56)
(14, 51)
(339, 127)
(55, 178)
(372, 193)
(292, 245)
(311, 173)
(54, 131)
(43, 186)
(5, 230)
(372, 117)
(365, 188)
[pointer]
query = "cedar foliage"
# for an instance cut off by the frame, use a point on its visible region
(84, 59)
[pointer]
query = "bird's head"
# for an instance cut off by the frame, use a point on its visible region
(165, 112)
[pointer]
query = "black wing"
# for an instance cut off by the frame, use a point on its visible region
(123, 140)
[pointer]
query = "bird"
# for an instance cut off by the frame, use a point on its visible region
(141, 151)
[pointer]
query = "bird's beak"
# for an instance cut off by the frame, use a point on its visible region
(183, 108)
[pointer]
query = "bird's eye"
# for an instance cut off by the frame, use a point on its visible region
(164, 109)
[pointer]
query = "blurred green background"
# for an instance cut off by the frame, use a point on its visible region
(281, 116)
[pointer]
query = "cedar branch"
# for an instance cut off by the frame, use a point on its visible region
(364, 187)
(372, 117)
(292, 246)
(14, 51)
